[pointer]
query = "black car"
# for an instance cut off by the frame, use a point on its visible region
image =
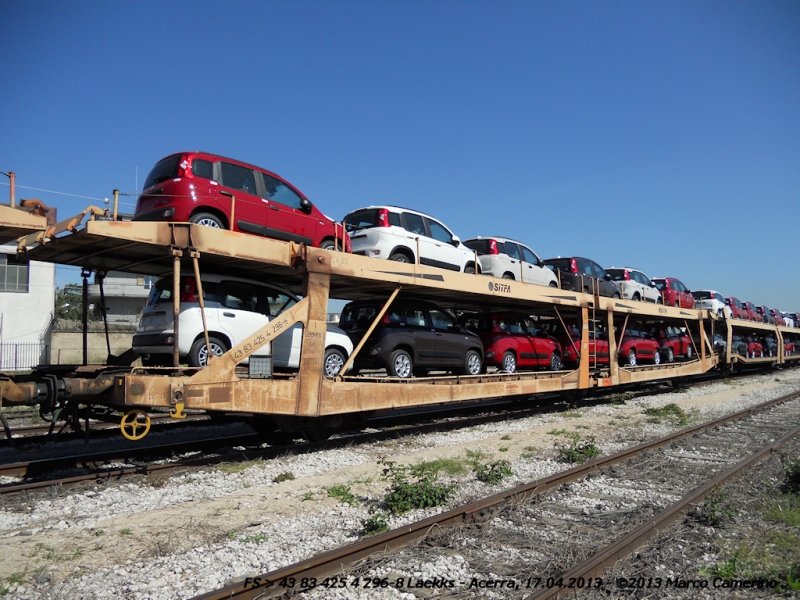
(770, 345)
(579, 275)
(766, 315)
(413, 337)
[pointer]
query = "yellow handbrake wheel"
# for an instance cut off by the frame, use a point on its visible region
(135, 424)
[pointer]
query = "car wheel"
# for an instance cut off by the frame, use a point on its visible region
(472, 363)
(508, 276)
(689, 352)
(636, 298)
(330, 245)
(659, 300)
(632, 358)
(553, 284)
(677, 304)
(207, 220)
(657, 357)
(470, 269)
(586, 290)
(615, 296)
(400, 257)
(670, 355)
(333, 362)
(198, 355)
(555, 362)
(400, 364)
(509, 362)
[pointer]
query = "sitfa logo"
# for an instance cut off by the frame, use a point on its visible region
(503, 288)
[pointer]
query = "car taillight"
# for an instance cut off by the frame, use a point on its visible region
(625, 275)
(185, 167)
(573, 265)
(383, 217)
(189, 290)
(493, 247)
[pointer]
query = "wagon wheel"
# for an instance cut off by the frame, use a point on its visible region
(133, 427)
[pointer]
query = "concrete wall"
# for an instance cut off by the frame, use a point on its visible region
(70, 347)
(26, 317)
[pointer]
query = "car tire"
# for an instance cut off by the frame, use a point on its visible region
(198, 355)
(508, 276)
(400, 364)
(469, 269)
(333, 362)
(400, 257)
(689, 352)
(677, 304)
(553, 284)
(555, 362)
(472, 363)
(670, 355)
(509, 362)
(636, 298)
(331, 245)
(207, 220)
(631, 358)
(657, 357)
(616, 296)
(659, 301)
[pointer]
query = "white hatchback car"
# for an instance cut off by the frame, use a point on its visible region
(635, 285)
(393, 233)
(712, 301)
(508, 259)
(235, 308)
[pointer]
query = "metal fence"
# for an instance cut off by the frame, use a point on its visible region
(22, 357)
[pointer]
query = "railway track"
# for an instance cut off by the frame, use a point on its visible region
(546, 531)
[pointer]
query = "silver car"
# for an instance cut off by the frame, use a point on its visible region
(635, 285)
(508, 259)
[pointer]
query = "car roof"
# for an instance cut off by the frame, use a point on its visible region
(626, 269)
(219, 278)
(392, 206)
(498, 238)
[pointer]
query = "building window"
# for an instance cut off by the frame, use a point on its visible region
(13, 274)
(149, 282)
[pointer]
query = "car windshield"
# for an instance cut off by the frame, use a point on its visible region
(164, 169)
(361, 219)
(660, 285)
(616, 274)
(703, 295)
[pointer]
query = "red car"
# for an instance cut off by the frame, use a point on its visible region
(754, 347)
(570, 342)
(752, 312)
(673, 342)
(514, 342)
(638, 345)
(737, 308)
(674, 293)
(200, 188)
(788, 347)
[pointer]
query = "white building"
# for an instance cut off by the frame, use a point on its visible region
(125, 296)
(27, 299)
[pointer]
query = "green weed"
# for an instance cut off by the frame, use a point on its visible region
(572, 435)
(670, 411)
(376, 524)
(407, 494)
(506, 437)
(283, 477)
(577, 452)
(716, 511)
(493, 473)
(253, 539)
(791, 482)
(342, 494)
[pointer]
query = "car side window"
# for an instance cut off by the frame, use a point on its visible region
(439, 233)
(599, 272)
(513, 250)
(529, 255)
(394, 219)
(515, 327)
(277, 191)
(413, 224)
(415, 317)
(645, 280)
(585, 267)
(440, 320)
(238, 178)
(203, 168)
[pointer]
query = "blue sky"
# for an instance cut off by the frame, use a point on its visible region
(662, 136)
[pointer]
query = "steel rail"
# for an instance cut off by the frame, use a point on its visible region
(335, 561)
(628, 544)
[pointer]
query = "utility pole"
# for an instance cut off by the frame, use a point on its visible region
(12, 176)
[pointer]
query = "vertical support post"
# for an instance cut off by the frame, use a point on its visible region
(13, 188)
(116, 204)
(176, 306)
(475, 258)
(85, 314)
(312, 352)
(702, 342)
(417, 261)
(101, 277)
(729, 339)
(233, 213)
(583, 366)
(195, 255)
(613, 359)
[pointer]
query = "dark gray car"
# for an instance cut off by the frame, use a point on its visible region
(413, 337)
(580, 274)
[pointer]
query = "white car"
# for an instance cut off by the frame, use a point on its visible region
(712, 301)
(394, 233)
(788, 319)
(635, 285)
(508, 259)
(235, 308)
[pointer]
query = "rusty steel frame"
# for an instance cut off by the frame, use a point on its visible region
(15, 222)
(333, 562)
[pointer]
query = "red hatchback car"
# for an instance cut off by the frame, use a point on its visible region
(738, 309)
(570, 342)
(674, 293)
(514, 342)
(200, 188)
(752, 312)
(637, 346)
(673, 342)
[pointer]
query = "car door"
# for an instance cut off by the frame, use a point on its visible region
(532, 269)
(419, 328)
(607, 288)
(286, 219)
(414, 226)
(514, 260)
(449, 338)
(239, 316)
(447, 255)
(541, 346)
(587, 271)
(249, 212)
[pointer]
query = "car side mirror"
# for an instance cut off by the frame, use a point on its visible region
(607, 277)
(305, 205)
(455, 240)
